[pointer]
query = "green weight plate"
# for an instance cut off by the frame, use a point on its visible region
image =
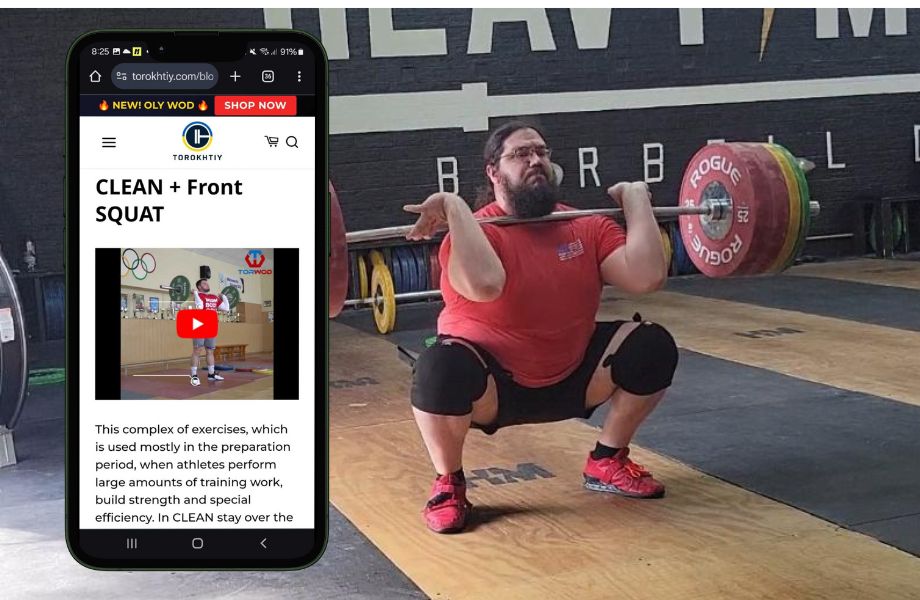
(181, 288)
(806, 204)
(232, 294)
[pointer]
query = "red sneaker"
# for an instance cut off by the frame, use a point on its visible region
(619, 475)
(448, 508)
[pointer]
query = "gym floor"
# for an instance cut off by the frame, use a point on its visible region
(788, 444)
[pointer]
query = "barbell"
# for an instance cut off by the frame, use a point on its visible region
(744, 209)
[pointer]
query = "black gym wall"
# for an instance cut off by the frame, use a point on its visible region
(863, 146)
(376, 173)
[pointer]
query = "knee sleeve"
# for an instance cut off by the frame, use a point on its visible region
(447, 379)
(645, 361)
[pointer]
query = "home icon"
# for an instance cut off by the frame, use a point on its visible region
(95, 77)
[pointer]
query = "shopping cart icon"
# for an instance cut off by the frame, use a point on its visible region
(272, 140)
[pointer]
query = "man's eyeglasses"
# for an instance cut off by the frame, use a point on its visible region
(525, 152)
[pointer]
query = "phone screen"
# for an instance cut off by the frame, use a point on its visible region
(196, 407)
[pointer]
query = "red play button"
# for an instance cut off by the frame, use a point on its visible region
(196, 324)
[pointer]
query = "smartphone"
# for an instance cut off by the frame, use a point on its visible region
(196, 420)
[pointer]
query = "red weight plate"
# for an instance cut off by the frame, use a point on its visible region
(338, 256)
(719, 170)
(435, 266)
(772, 205)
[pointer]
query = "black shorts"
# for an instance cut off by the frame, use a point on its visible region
(566, 399)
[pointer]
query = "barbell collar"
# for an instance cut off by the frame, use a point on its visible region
(715, 210)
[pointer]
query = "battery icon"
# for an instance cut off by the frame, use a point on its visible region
(300, 51)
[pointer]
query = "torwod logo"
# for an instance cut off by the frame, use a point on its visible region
(255, 259)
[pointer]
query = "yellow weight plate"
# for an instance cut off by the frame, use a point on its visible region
(805, 211)
(376, 257)
(795, 208)
(362, 277)
(384, 297)
(666, 244)
(264, 371)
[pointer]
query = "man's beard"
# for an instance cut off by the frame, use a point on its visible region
(529, 201)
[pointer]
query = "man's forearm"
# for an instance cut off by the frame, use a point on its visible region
(644, 253)
(474, 268)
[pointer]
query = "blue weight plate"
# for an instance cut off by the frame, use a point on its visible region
(409, 257)
(677, 246)
(406, 270)
(421, 264)
(412, 260)
(395, 269)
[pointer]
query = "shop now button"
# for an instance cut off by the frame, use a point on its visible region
(257, 106)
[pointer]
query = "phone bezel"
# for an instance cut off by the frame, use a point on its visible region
(189, 45)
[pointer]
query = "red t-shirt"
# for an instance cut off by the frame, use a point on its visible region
(540, 325)
(207, 301)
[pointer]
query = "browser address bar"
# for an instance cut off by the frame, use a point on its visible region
(176, 76)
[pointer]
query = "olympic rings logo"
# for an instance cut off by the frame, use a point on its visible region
(146, 263)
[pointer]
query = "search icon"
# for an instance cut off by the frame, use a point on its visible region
(291, 141)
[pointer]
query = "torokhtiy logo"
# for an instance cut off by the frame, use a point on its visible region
(197, 136)
(255, 259)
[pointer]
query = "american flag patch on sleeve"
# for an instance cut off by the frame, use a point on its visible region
(570, 250)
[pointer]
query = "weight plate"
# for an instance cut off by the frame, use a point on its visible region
(46, 376)
(805, 213)
(772, 207)
(362, 278)
(421, 266)
(13, 353)
(233, 295)
(794, 208)
(403, 282)
(396, 270)
(720, 248)
(408, 264)
(384, 297)
(666, 245)
(434, 272)
(377, 258)
(677, 246)
(181, 288)
(412, 258)
(875, 226)
(682, 262)
(338, 256)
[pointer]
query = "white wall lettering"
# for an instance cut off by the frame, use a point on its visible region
(452, 175)
(483, 19)
(827, 22)
(386, 41)
(653, 161)
(584, 165)
(830, 154)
